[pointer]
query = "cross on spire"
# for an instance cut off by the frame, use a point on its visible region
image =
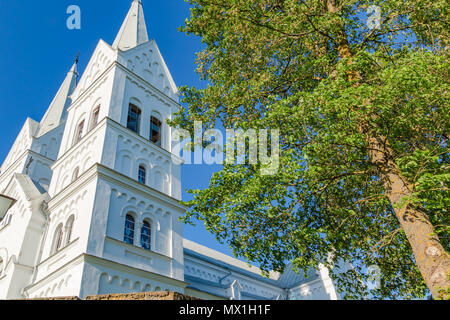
(77, 57)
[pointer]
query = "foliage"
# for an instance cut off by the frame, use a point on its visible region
(276, 64)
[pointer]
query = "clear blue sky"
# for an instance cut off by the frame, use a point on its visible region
(37, 50)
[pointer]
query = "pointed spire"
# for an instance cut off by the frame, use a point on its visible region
(57, 111)
(77, 58)
(133, 31)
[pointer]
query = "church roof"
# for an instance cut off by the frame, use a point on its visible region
(291, 279)
(133, 31)
(287, 280)
(56, 112)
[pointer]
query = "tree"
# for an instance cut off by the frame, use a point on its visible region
(363, 112)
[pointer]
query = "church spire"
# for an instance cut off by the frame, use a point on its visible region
(133, 31)
(57, 111)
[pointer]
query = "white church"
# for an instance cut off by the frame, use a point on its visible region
(90, 196)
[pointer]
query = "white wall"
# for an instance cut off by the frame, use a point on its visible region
(20, 237)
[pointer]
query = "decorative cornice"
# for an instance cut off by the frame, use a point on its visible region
(138, 272)
(141, 251)
(58, 255)
(73, 187)
(141, 139)
(247, 275)
(157, 92)
(99, 170)
(20, 158)
(55, 274)
(129, 183)
(79, 144)
(84, 94)
(161, 94)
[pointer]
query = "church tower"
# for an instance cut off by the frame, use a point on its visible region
(25, 177)
(113, 214)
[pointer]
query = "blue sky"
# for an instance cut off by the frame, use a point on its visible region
(38, 49)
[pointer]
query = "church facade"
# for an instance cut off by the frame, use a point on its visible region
(95, 194)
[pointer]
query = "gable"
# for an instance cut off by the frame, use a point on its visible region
(100, 61)
(22, 143)
(147, 62)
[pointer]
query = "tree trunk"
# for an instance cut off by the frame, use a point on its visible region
(431, 258)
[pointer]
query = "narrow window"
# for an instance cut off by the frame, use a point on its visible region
(94, 118)
(57, 239)
(146, 234)
(69, 227)
(142, 174)
(155, 131)
(129, 229)
(79, 133)
(75, 174)
(134, 117)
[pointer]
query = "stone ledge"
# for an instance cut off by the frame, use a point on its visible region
(55, 298)
(143, 296)
(169, 296)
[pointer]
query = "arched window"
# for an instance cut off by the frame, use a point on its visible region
(134, 118)
(142, 174)
(79, 132)
(129, 229)
(94, 118)
(155, 130)
(146, 235)
(69, 227)
(57, 239)
(75, 174)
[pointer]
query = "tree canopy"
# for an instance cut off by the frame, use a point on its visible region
(364, 117)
